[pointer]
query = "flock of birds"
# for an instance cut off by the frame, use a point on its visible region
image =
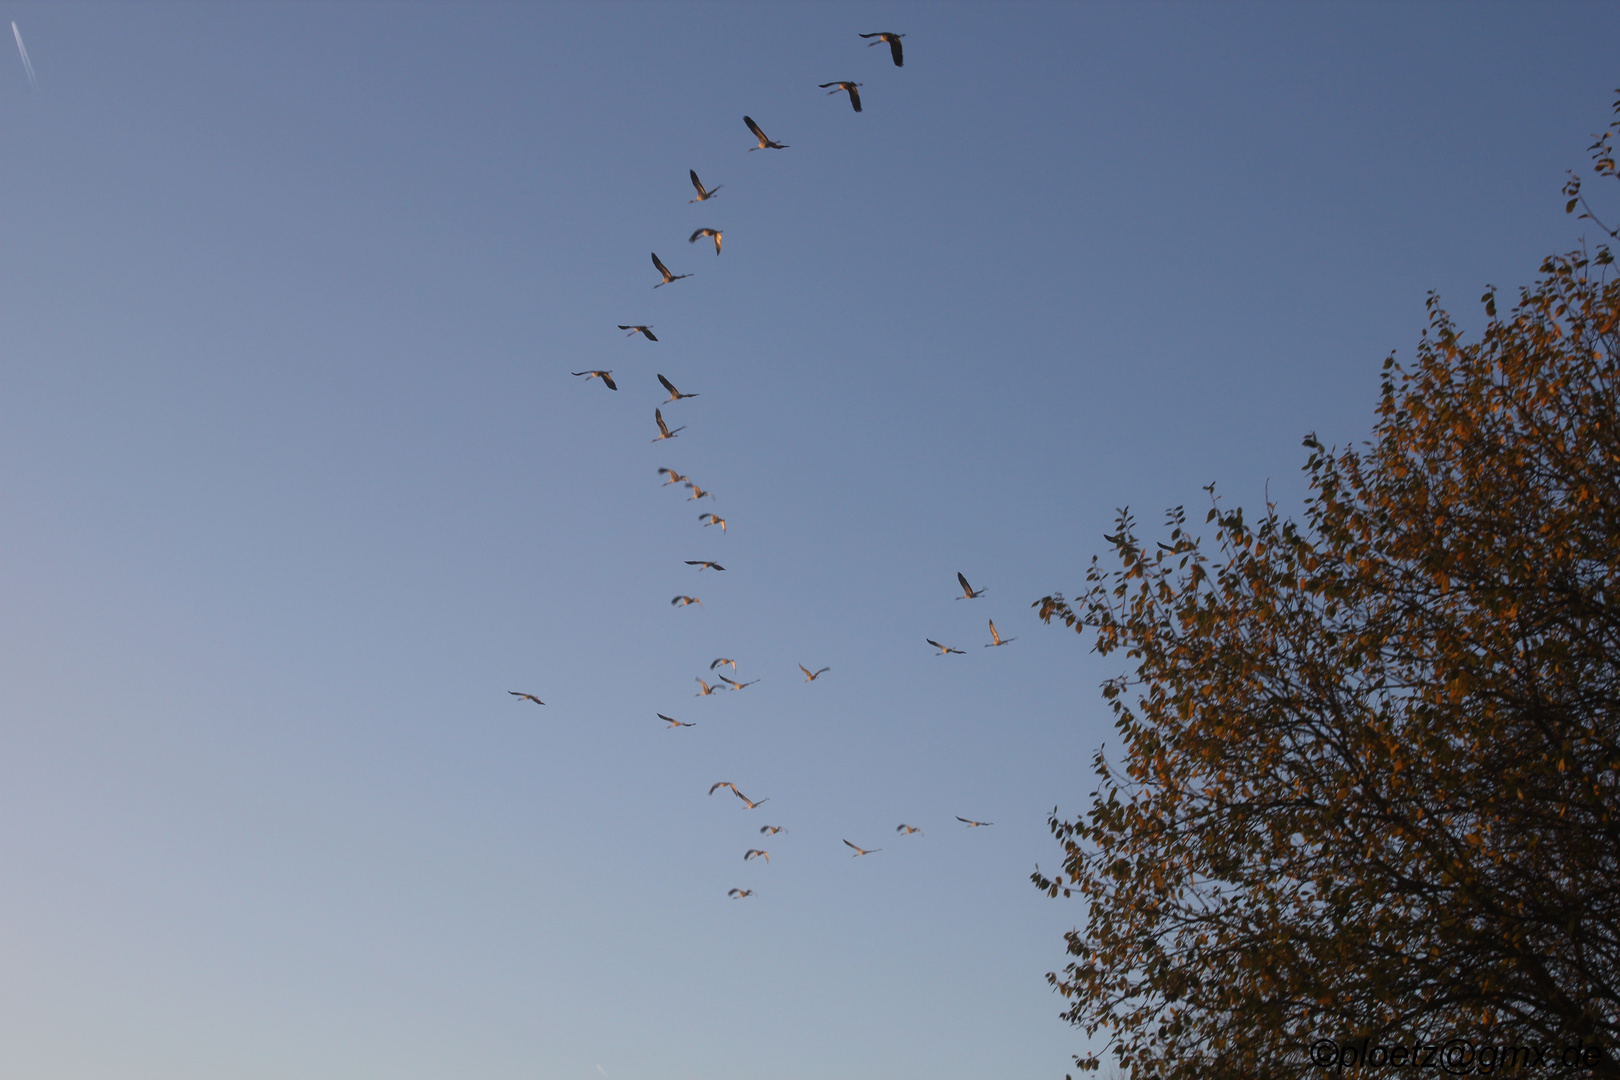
(725, 683)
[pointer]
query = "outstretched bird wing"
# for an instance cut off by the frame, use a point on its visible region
(758, 134)
(662, 269)
(669, 386)
(854, 96)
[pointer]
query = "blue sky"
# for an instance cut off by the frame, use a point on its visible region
(295, 485)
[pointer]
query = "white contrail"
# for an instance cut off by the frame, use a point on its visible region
(22, 50)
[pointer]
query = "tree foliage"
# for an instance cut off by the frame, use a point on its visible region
(1370, 776)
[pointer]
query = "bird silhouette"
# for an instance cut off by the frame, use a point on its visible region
(810, 676)
(663, 428)
(943, 649)
(728, 784)
(674, 477)
(738, 894)
(712, 519)
(735, 685)
(859, 851)
(764, 143)
(526, 697)
(974, 824)
(854, 94)
(906, 830)
(674, 394)
(755, 853)
(699, 493)
(705, 692)
(683, 601)
(662, 269)
(674, 723)
(894, 45)
(770, 830)
(703, 193)
(724, 660)
(968, 592)
(995, 638)
(644, 331)
(605, 376)
(716, 233)
(704, 564)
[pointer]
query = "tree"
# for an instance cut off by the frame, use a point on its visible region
(1370, 784)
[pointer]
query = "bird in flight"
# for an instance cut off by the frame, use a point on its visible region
(704, 564)
(712, 519)
(682, 601)
(674, 477)
(526, 697)
(968, 592)
(894, 45)
(716, 233)
(764, 142)
(663, 428)
(662, 269)
(906, 830)
(728, 784)
(854, 94)
(702, 192)
(735, 685)
(699, 493)
(861, 851)
(705, 692)
(674, 394)
(810, 676)
(724, 660)
(973, 824)
(644, 331)
(770, 830)
(943, 649)
(605, 376)
(755, 853)
(738, 894)
(674, 723)
(995, 638)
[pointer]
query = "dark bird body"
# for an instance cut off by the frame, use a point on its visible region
(854, 94)
(674, 394)
(605, 376)
(894, 45)
(715, 233)
(764, 142)
(968, 592)
(662, 269)
(663, 428)
(702, 192)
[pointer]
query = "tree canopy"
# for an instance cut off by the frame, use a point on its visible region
(1369, 781)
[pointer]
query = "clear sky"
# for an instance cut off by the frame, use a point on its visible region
(295, 486)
